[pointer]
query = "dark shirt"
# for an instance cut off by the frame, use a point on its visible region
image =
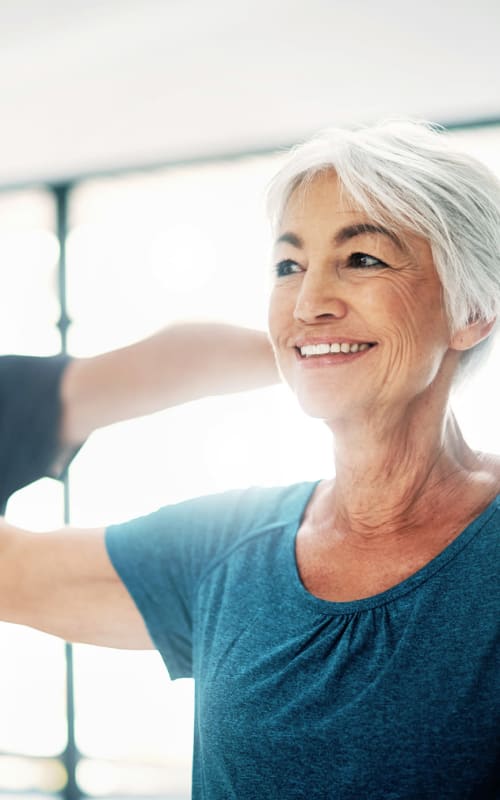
(30, 414)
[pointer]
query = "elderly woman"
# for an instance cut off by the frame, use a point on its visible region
(343, 634)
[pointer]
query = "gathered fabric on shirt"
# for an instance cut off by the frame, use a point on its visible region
(392, 697)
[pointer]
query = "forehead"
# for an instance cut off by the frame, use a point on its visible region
(321, 199)
(321, 203)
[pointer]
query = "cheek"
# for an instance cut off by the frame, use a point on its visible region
(280, 314)
(413, 324)
(414, 308)
(280, 325)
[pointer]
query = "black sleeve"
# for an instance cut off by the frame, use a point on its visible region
(30, 414)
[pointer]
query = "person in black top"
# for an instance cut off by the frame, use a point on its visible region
(50, 405)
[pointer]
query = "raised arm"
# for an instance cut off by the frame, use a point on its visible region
(64, 583)
(180, 363)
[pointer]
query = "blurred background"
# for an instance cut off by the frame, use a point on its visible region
(137, 140)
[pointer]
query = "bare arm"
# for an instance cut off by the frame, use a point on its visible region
(180, 363)
(64, 583)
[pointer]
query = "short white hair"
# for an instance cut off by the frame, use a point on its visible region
(409, 176)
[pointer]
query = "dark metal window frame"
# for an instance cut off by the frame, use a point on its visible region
(61, 192)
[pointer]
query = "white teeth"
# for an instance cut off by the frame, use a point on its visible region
(336, 347)
(315, 349)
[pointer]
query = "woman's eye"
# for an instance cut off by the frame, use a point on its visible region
(363, 260)
(286, 267)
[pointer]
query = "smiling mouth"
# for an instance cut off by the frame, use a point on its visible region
(333, 348)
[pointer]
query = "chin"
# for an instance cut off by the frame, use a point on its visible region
(324, 405)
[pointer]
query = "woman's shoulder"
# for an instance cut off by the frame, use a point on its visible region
(212, 522)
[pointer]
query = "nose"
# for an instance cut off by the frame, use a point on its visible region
(318, 299)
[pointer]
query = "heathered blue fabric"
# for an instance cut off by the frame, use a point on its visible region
(394, 697)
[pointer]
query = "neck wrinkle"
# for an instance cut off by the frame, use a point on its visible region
(396, 478)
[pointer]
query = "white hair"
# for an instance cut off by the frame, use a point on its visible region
(409, 176)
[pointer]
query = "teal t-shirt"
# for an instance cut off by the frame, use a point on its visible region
(393, 697)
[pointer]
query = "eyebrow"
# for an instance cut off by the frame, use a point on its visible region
(350, 231)
(345, 234)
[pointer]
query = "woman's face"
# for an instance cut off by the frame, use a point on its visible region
(356, 316)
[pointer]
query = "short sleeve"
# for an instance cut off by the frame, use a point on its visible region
(161, 559)
(30, 415)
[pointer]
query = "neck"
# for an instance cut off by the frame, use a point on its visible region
(393, 476)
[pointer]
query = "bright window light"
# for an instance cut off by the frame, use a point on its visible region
(29, 253)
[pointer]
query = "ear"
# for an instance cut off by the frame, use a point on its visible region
(471, 334)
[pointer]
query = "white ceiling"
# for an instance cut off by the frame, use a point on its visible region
(87, 85)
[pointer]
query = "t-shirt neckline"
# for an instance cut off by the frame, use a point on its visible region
(394, 592)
